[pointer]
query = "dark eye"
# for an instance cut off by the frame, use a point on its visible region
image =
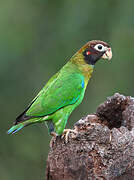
(100, 47)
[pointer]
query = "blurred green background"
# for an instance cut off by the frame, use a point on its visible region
(36, 39)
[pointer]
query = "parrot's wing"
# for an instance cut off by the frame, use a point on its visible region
(23, 116)
(62, 91)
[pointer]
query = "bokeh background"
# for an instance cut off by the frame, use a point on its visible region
(36, 39)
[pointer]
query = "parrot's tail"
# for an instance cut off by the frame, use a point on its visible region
(16, 128)
(19, 126)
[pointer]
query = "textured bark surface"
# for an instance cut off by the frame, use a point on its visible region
(102, 148)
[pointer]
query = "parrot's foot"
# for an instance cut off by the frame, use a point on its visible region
(66, 132)
(54, 137)
(53, 134)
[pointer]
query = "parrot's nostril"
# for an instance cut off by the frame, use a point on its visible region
(109, 49)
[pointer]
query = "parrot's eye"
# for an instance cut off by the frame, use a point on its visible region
(100, 47)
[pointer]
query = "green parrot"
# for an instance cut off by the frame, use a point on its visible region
(64, 91)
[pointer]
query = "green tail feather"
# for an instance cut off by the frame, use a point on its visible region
(15, 128)
(19, 126)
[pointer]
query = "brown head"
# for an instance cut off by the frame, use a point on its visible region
(95, 50)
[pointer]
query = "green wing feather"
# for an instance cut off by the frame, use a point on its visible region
(61, 90)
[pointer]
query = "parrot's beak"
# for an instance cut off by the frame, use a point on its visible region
(107, 54)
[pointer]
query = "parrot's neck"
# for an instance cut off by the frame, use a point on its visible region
(78, 64)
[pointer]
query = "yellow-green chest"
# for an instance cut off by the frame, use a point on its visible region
(85, 69)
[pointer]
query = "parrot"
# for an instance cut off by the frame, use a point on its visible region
(64, 91)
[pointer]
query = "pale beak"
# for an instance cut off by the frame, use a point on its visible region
(107, 54)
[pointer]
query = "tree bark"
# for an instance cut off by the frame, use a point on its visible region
(102, 148)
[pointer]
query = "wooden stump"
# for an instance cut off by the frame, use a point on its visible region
(102, 148)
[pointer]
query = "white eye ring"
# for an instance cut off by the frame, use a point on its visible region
(100, 47)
